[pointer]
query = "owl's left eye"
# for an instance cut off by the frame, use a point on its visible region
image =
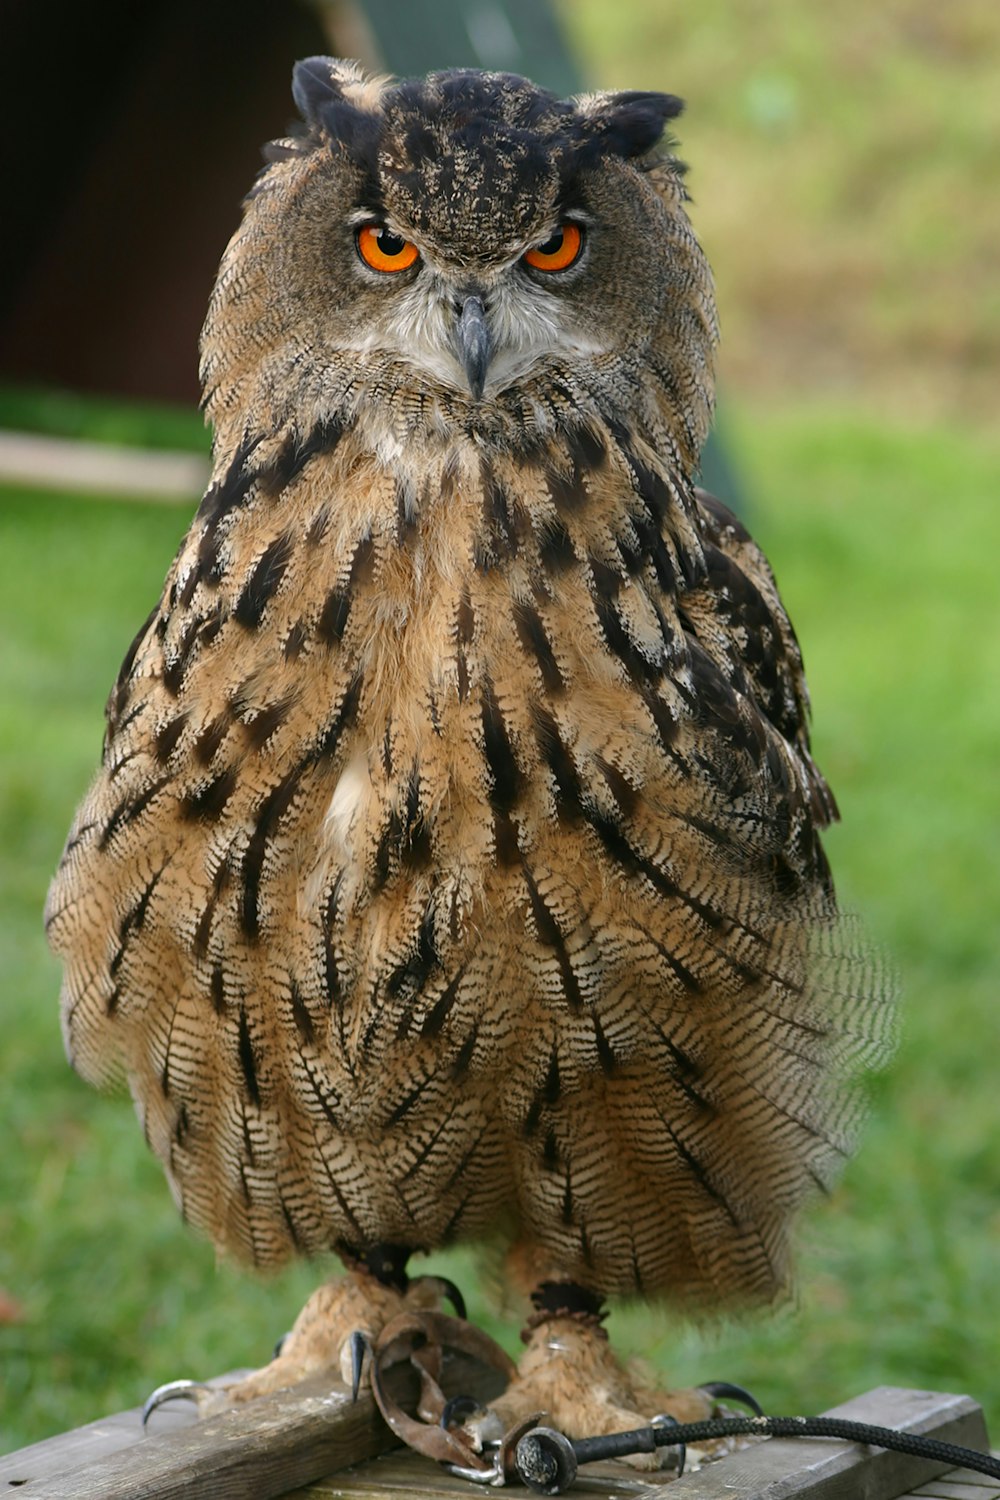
(383, 250)
(559, 251)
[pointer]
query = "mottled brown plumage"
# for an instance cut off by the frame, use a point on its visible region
(454, 866)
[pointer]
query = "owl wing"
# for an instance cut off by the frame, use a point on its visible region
(762, 653)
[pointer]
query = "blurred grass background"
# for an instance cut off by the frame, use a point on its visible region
(840, 169)
(843, 170)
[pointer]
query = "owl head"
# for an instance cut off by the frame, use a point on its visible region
(449, 251)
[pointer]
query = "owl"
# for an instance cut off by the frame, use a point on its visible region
(454, 868)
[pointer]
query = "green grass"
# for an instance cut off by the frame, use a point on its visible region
(840, 159)
(840, 163)
(53, 412)
(884, 541)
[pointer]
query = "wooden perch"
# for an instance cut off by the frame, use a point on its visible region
(254, 1452)
(280, 1443)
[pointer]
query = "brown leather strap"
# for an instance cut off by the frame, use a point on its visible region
(422, 1338)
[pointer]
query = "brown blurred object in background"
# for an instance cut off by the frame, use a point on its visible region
(133, 133)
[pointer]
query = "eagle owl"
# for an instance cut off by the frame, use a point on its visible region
(454, 867)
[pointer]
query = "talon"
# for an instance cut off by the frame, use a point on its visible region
(175, 1390)
(454, 1296)
(281, 1344)
(447, 1289)
(723, 1389)
(359, 1348)
(456, 1409)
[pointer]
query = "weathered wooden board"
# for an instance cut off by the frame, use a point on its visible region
(66, 464)
(257, 1452)
(828, 1470)
(401, 1473)
(958, 1484)
(282, 1443)
(85, 1445)
(952, 1487)
(808, 1469)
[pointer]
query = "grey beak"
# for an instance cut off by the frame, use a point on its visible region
(474, 343)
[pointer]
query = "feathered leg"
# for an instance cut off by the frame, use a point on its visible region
(339, 1322)
(570, 1372)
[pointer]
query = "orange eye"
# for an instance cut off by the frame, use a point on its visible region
(385, 251)
(559, 251)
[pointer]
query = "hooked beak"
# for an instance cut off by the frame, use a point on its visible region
(474, 343)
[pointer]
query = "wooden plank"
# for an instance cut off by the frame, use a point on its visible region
(403, 1472)
(946, 1488)
(400, 1473)
(821, 1469)
(256, 1452)
(288, 1440)
(71, 466)
(809, 1469)
(99, 1439)
(84, 1445)
(974, 1486)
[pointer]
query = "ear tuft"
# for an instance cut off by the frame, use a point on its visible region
(628, 124)
(338, 99)
(313, 87)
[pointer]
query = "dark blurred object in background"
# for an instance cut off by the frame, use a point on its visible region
(136, 132)
(133, 132)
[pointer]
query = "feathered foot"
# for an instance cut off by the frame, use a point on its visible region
(570, 1373)
(333, 1332)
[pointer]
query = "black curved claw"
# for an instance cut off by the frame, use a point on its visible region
(722, 1389)
(454, 1296)
(281, 1344)
(448, 1290)
(456, 1409)
(174, 1390)
(679, 1449)
(359, 1348)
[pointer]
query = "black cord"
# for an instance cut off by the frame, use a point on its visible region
(547, 1461)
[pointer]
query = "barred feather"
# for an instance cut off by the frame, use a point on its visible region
(455, 862)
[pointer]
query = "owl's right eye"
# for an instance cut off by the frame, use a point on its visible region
(383, 250)
(560, 251)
